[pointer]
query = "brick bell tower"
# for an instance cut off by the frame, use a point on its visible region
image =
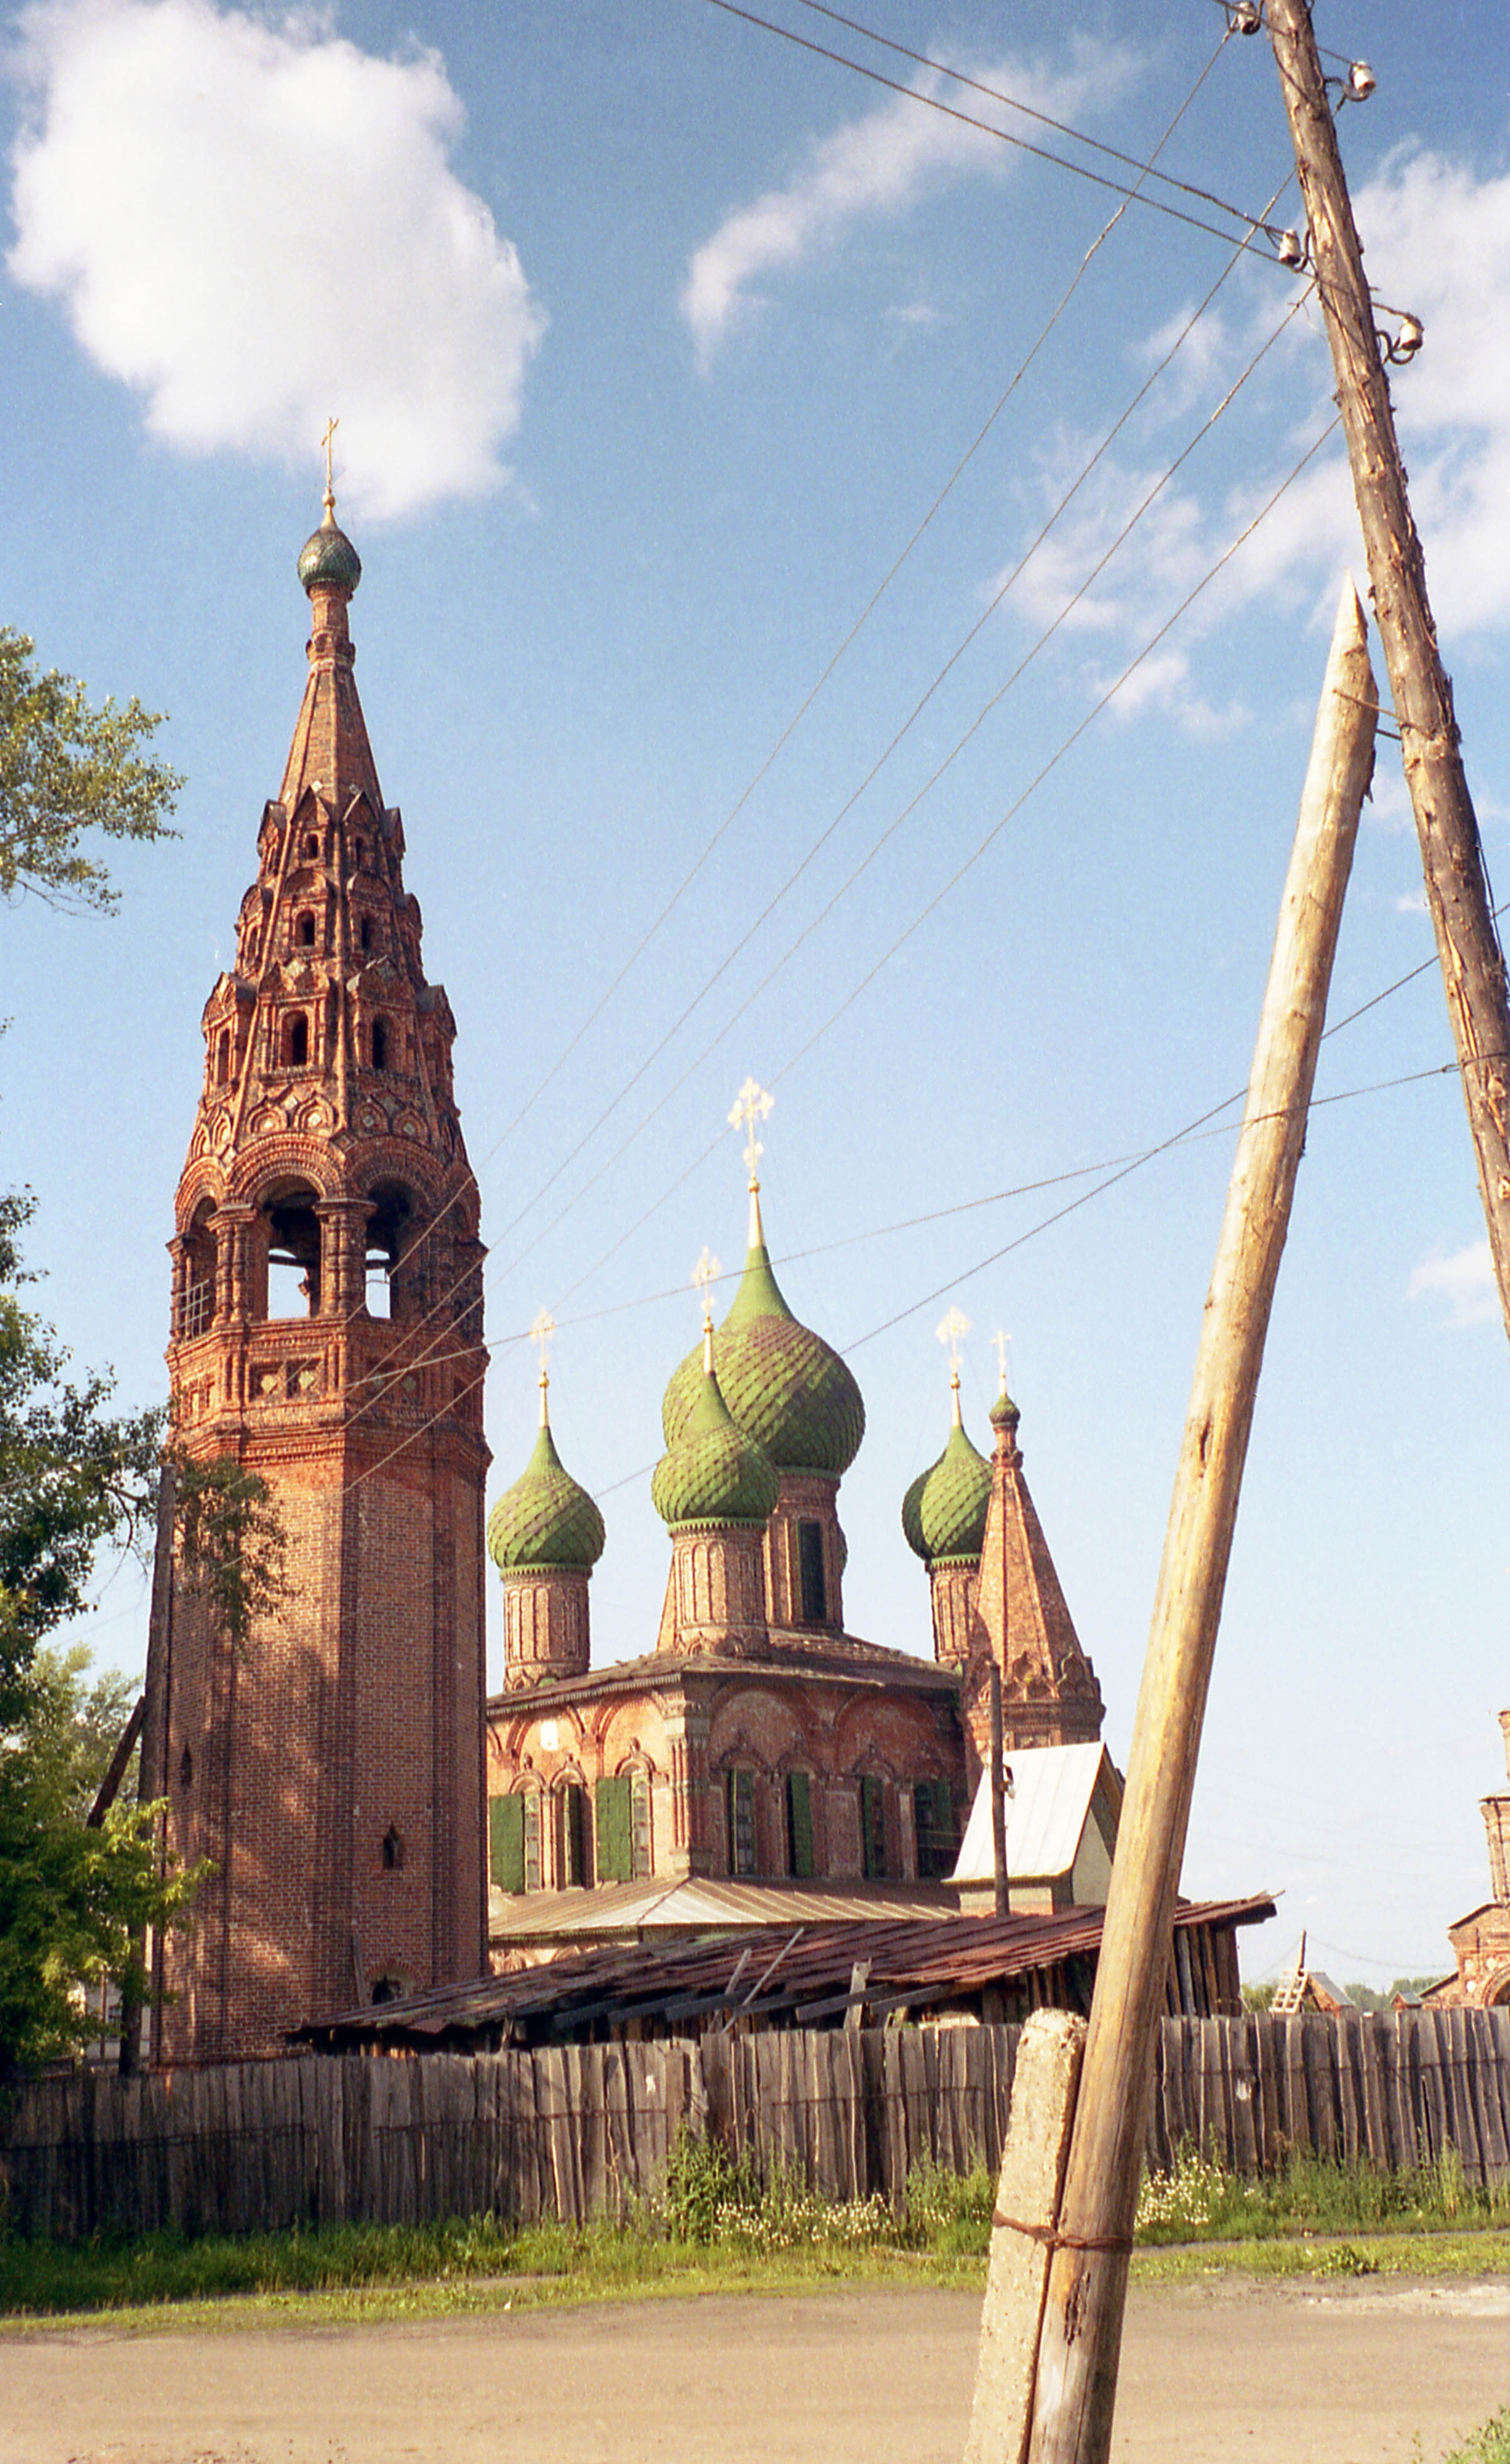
(327, 1334)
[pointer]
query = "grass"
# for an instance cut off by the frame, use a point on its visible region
(1198, 2201)
(719, 2227)
(1488, 2445)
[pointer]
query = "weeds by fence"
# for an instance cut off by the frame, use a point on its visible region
(582, 2131)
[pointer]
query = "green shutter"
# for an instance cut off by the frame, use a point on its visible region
(505, 1841)
(800, 1824)
(615, 1831)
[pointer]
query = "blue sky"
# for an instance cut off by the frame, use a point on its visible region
(653, 340)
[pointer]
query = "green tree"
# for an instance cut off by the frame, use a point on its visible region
(71, 1476)
(67, 769)
(74, 1898)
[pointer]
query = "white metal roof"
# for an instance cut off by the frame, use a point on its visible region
(1047, 1813)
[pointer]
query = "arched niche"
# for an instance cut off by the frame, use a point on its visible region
(289, 1249)
(395, 1259)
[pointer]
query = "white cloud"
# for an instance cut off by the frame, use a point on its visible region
(877, 164)
(254, 226)
(1464, 1280)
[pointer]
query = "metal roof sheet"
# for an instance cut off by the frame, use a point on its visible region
(1046, 1815)
(918, 1961)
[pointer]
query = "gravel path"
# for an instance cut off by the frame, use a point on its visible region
(1345, 2374)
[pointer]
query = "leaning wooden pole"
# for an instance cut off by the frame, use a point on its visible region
(1076, 2381)
(1452, 858)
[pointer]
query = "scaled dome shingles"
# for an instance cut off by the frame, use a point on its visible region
(328, 561)
(782, 1383)
(546, 1521)
(944, 1511)
(713, 1473)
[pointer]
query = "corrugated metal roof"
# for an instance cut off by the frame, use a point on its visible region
(791, 1970)
(1046, 1815)
(652, 1908)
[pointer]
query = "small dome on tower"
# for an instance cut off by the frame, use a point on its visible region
(785, 1385)
(944, 1511)
(327, 559)
(1004, 1412)
(546, 1521)
(712, 1473)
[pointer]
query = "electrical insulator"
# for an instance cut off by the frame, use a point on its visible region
(1408, 339)
(1246, 16)
(1289, 248)
(1361, 80)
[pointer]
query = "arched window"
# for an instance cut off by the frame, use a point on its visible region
(379, 1044)
(295, 1040)
(366, 933)
(292, 1235)
(186, 1769)
(741, 1792)
(311, 846)
(304, 930)
(222, 1056)
(361, 850)
(391, 1286)
(571, 1835)
(392, 1851)
(197, 1290)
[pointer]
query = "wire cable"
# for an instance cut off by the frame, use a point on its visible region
(1030, 111)
(1024, 145)
(1020, 372)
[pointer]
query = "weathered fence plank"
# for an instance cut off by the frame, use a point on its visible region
(577, 2131)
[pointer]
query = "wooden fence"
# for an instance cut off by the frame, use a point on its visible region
(582, 2130)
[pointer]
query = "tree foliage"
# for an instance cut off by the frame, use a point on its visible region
(232, 1540)
(74, 1900)
(72, 1476)
(67, 769)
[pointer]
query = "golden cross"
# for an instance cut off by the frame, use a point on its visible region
(951, 1330)
(1000, 1344)
(751, 1105)
(327, 441)
(541, 1332)
(704, 1275)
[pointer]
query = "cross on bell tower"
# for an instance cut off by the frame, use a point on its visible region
(327, 1334)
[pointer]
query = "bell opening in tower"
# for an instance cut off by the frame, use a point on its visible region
(391, 1235)
(293, 1255)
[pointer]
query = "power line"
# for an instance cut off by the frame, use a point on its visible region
(794, 947)
(1030, 111)
(638, 951)
(1025, 145)
(796, 875)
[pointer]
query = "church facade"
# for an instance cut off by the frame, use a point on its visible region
(761, 1741)
(329, 1766)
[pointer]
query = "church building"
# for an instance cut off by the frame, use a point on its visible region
(328, 1767)
(339, 1770)
(760, 1740)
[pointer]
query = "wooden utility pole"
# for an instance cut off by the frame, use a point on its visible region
(1076, 2381)
(1001, 1898)
(1452, 859)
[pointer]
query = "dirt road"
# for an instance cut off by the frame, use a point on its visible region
(1350, 2374)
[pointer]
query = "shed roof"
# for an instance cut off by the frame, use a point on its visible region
(778, 1973)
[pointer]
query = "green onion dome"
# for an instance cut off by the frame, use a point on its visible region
(944, 1511)
(328, 561)
(1004, 1412)
(785, 1385)
(546, 1523)
(712, 1474)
